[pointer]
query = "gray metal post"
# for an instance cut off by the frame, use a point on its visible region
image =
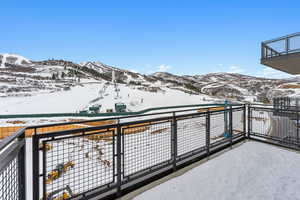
(174, 140)
(22, 168)
(287, 45)
(249, 120)
(207, 133)
(244, 121)
(119, 160)
(35, 167)
(297, 124)
(225, 118)
(230, 125)
(262, 50)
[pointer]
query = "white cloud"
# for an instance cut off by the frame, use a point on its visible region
(133, 70)
(163, 68)
(236, 69)
(268, 72)
(228, 69)
(160, 68)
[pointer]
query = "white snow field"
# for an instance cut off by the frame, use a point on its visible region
(251, 171)
(80, 97)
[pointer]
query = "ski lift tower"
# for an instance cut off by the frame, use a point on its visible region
(114, 82)
(113, 77)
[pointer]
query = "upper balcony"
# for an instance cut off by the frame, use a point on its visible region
(282, 53)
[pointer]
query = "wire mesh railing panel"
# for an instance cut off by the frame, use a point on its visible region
(145, 146)
(294, 43)
(218, 126)
(77, 164)
(267, 124)
(261, 122)
(238, 120)
(9, 183)
(278, 46)
(191, 134)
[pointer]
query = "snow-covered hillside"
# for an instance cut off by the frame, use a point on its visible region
(28, 86)
(12, 59)
(81, 96)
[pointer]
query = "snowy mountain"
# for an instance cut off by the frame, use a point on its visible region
(6, 60)
(21, 77)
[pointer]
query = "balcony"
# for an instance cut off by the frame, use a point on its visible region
(282, 53)
(108, 159)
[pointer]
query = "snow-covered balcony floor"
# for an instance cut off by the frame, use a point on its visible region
(250, 171)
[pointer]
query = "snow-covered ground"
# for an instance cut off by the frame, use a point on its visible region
(80, 96)
(251, 171)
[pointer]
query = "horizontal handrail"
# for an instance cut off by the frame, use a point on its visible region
(131, 116)
(281, 38)
(107, 114)
(7, 140)
(110, 126)
(10, 153)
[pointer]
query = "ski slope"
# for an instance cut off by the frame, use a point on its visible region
(80, 96)
(87, 94)
(251, 171)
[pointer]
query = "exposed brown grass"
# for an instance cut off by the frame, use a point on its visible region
(16, 122)
(211, 109)
(105, 135)
(289, 86)
(159, 131)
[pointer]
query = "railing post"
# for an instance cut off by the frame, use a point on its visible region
(207, 132)
(249, 120)
(244, 121)
(174, 140)
(119, 160)
(262, 51)
(297, 124)
(230, 125)
(22, 168)
(35, 167)
(287, 45)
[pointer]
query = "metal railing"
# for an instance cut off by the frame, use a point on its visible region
(279, 127)
(280, 46)
(109, 160)
(110, 157)
(12, 167)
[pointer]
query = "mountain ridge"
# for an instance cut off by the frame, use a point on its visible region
(20, 75)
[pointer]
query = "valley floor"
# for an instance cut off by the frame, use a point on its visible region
(251, 171)
(81, 97)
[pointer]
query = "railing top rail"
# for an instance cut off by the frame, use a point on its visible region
(7, 140)
(137, 115)
(93, 128)
(281, 38)
(105, 114)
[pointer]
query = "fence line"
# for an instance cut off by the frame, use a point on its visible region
(101, 159)
(112, 158)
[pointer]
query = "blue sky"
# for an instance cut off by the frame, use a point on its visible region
(182, 37)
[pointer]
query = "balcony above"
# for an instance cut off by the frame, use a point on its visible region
(282, 53)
